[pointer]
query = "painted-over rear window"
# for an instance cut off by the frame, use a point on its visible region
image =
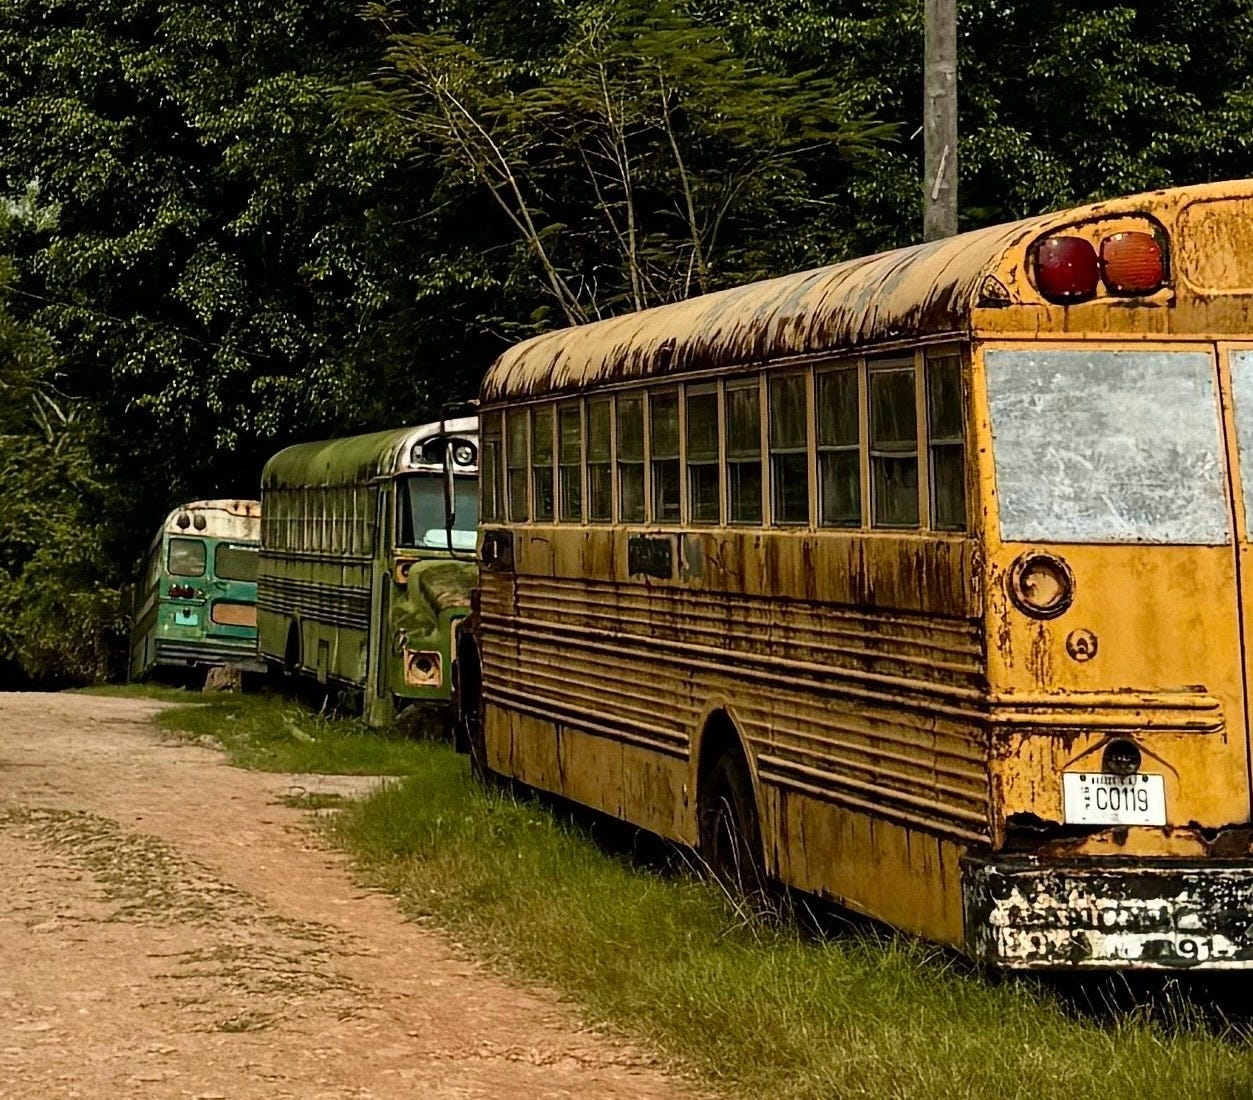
(1107, 446)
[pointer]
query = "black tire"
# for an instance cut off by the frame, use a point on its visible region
(730, 828)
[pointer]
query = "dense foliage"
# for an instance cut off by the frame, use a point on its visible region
(232, 226)
(59, 616)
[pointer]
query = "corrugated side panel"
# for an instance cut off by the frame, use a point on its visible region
(875, 711)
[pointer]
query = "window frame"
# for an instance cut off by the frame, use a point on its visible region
(639, 397)
(656, 394)
(608, 400)
(959, 443)
(755, 383)
(889, 365)
(857, 368)
(490, 468)
(697, 390)
(562, 466)
(536, 412)
(518, 416)
(805, 377)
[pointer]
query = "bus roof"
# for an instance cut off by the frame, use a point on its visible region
(228, 519)
(357, 459)
(926, 291)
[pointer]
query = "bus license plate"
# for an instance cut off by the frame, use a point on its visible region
(1096, 798)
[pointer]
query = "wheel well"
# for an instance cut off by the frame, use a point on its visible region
(720, 736)
(467, 692)
(469, 670)
(291, 655)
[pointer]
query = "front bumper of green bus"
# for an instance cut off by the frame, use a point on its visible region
(1028, 913)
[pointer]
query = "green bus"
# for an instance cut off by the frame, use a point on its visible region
(195, 602)
(367, 562)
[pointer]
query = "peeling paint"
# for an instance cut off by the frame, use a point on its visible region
(1027, 914)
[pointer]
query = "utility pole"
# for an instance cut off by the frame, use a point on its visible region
(939, 121)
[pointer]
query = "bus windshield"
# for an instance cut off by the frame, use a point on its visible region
(422, 521)
(1107, 446)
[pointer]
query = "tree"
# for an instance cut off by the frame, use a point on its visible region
(1060, 103)
(230, 263)
(639, 161)
(59, 617)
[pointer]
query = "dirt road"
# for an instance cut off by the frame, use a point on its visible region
(169, 928)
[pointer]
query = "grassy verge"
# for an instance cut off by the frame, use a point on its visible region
(270, 733)
(162, 693)
(752, 1009)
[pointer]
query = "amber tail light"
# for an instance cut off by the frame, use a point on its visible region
(1132, 263)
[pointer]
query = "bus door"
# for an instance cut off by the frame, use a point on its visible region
(1236, 376)
(378, 645)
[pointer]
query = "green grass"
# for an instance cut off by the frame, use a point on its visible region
(162, 693)
(269, 733)
(754, 1009)
(751, 1008)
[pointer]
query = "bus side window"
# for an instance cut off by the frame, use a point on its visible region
(489, 475)
(542, 460)
(631, 459)
(152, 570)
(839, 448)
(570, 462)
(703, 495)
(946, 444)
(354, 546)
(893, 446)
(663, 423)
(743, 447)
(599, 476)
(516, 465)
(789, 449)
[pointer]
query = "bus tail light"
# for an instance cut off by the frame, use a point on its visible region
(1132, 263)
(1041, 585)
(1066, 269)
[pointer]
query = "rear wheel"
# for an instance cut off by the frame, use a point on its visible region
(730, 829)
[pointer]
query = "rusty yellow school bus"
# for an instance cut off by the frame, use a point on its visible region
(923, 581)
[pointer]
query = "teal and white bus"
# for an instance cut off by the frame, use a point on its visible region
(196, 600)
(367, 562)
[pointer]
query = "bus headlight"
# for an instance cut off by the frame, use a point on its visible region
(423, 668)
(1041, 585)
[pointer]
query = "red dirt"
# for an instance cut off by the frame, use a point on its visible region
(169, 928)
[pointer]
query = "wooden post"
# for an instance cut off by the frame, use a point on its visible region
(939, 121)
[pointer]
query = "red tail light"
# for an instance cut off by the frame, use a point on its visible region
(1132, 263)
(1066, 269)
